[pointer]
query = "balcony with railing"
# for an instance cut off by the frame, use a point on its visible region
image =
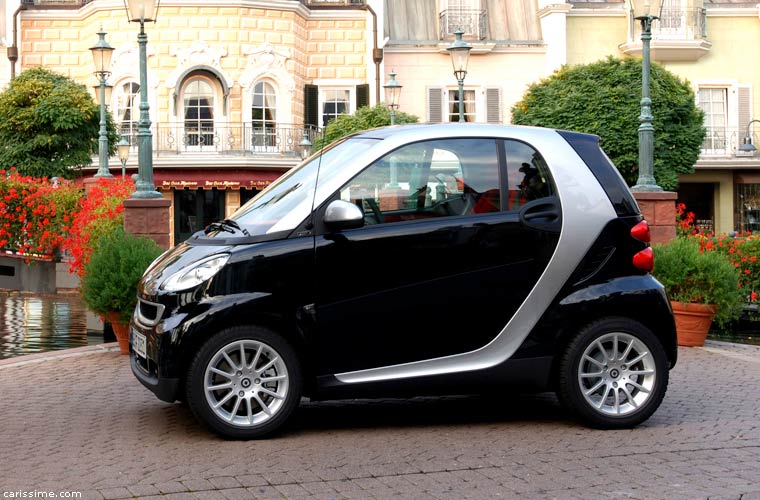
(278, 141)
(473, 22)
(724, 142)
(681, 24)
(54, 4)
(678, 35)
(333, 3)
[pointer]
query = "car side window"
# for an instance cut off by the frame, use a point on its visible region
(527, 174)
(441, 178)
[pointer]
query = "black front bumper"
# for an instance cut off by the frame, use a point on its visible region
(165, 389)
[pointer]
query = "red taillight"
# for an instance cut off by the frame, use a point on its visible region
(644, 260)
(641, 232)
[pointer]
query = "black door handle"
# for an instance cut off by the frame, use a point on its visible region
(544, 214)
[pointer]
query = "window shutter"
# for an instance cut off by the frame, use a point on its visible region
(493, 105)
(362, 95)
(311, 105)
(744, 98)
(435, 105)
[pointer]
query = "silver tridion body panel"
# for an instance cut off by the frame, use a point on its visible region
(586, 210)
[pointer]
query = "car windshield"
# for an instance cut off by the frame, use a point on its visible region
(288, 201)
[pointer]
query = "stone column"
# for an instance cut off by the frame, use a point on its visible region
(659, 209)
(149, 217)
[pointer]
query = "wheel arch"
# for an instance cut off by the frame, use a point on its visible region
(205, 327)
(649, 307)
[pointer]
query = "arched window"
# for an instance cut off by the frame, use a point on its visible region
(128, 110)
(198, 102)
(264, 116)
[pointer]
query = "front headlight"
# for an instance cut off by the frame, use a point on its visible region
(195, 274)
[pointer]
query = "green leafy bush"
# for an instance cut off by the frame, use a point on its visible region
(603, 98)
(364, 118)
(49, 125)
(690, 274)
(109, 282)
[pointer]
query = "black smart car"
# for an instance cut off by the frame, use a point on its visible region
(415, 260)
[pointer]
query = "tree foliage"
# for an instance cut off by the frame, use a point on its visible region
(49, 125)
(604, 98)
(364, 118)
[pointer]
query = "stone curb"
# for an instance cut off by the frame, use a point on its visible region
(63, 353)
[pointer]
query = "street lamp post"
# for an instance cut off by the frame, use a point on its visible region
(142, 11)
(101, 55)
(305, 145)
(460, 54)
(646, 11)
(392, 94)
(123, 148)
(747, 146)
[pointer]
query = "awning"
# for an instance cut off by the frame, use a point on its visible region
(208, 179)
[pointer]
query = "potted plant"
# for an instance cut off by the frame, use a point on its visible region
(110, 277)
(703, 286)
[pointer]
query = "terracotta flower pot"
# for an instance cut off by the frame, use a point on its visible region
(120, 331)
(692, 322)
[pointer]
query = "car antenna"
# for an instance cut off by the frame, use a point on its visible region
(322, 141)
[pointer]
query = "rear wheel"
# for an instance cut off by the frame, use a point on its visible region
(613, 374)
(244, 382)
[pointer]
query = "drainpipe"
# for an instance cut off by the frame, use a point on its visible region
(377, 54)
(13, 49)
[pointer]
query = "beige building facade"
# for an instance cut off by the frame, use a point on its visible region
(233, 86)
(705, 43)
(518, 42)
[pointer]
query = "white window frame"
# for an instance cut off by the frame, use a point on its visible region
(323, 90)
(268, 148)
(115, 106)
(217, 120)
(734, 130)
(480, 103)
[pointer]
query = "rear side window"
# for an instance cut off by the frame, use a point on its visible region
(587, 147)
(527, 175)
(437, 178)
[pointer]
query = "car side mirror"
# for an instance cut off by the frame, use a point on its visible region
(343, 215)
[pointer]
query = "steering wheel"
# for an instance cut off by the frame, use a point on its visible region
(375, 209)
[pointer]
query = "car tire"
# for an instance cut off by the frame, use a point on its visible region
(613, 374)
(248, 399)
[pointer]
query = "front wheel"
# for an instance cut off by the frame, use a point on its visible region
(614, 374)
(244, 382)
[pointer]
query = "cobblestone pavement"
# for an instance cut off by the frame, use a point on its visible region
(83, 423)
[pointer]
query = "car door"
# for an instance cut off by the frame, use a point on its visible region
(444, 259)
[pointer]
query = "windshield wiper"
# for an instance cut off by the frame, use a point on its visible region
(227, 225)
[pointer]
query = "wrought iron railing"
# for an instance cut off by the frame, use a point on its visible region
(280, 139)
(687, 24)
(54, 4)
(674, 24)
(333, 3)
(725, 142)
(473, 22)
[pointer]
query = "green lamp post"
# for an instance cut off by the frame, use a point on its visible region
(460, 55)
(101, 55)
(392, 93)
(123, 147)
(646, 11)
(143, 11)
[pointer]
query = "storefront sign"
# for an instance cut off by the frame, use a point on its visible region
(214, 179)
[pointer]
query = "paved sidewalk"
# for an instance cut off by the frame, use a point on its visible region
(80, 422)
